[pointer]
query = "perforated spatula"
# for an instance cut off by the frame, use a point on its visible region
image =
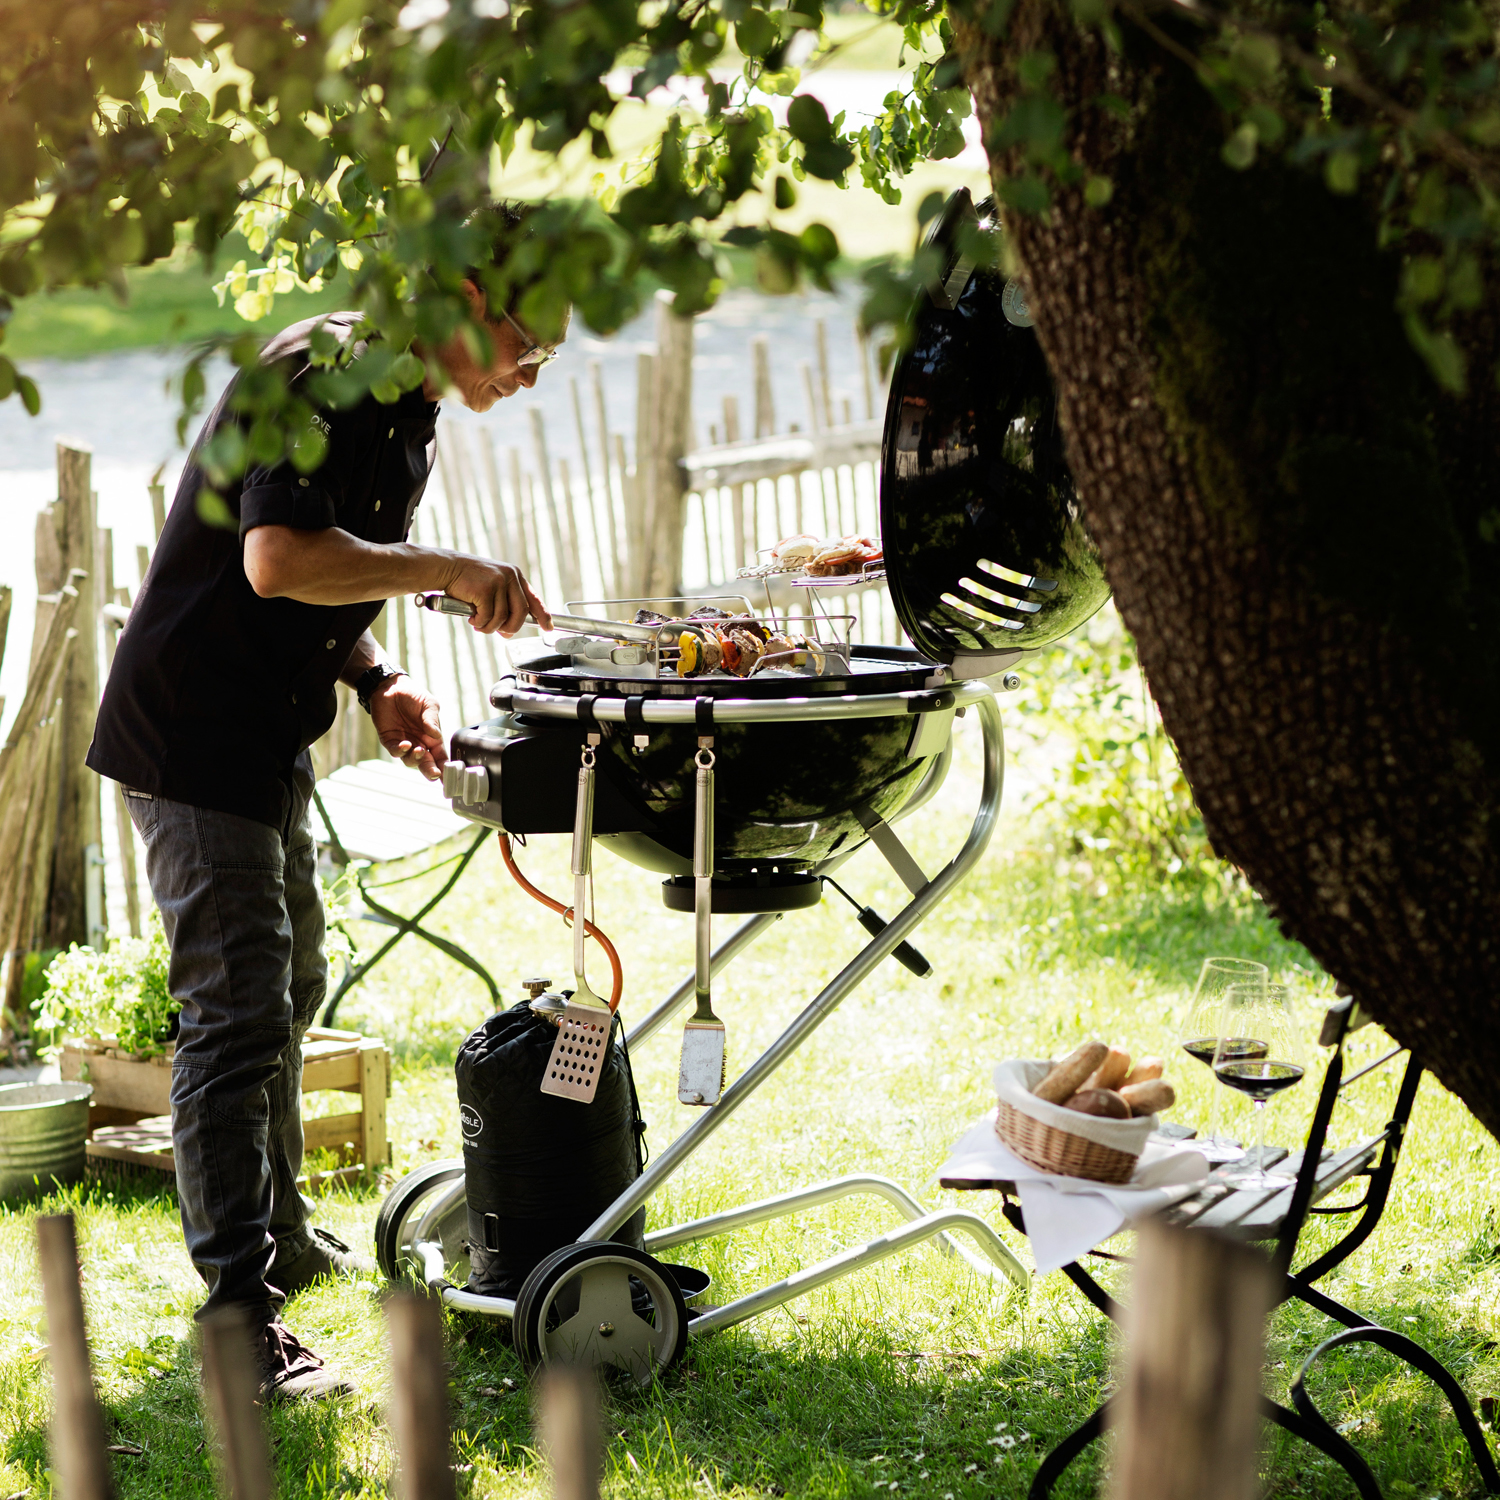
(700, 1078)
(577, 1057)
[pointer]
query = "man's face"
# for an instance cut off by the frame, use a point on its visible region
(479, 386)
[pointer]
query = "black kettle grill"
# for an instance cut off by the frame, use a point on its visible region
(987, 561)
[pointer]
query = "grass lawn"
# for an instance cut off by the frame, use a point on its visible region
(911, 1378)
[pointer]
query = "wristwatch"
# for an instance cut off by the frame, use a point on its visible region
(371, 678)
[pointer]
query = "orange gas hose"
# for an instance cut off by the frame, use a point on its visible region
(566, 912)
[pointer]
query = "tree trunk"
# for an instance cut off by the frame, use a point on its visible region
(1292, 516)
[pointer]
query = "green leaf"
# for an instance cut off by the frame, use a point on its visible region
(1341, 171)
(756, 34)
(785, 193)
(7, 377)
(1097, 191)
(1239, 149)
(212, 510)
(31, 398)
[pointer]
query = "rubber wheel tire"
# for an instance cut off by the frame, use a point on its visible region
(400, 1210)
(562, 1294)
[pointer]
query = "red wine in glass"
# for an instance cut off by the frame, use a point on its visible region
(1259, 1079)
(1236, 1049)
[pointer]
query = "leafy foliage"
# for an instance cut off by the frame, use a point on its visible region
(1117, 803)
(350, 142)
(120, 993)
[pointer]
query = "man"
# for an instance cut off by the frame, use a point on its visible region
(223, 678)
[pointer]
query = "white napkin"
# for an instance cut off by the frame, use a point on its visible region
(1068, 1216)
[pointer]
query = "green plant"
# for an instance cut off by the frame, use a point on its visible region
(121, 992)
(1118, 799)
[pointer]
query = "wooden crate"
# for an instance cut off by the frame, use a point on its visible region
(130, 1113)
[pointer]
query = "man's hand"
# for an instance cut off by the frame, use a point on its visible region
(406, 719)
(501, 596)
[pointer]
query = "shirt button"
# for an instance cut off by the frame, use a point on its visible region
(303, 483)
(377, 505)
(391, 433)
(294, 697)
(332, 644)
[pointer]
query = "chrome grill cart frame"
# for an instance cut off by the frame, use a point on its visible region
(428, 1237)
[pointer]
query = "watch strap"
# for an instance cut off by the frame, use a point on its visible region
(371, 678)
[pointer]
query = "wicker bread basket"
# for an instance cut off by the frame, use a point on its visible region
(1052, 1150)
(1053, 1139)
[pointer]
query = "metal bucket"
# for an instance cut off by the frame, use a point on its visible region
(42, 1131)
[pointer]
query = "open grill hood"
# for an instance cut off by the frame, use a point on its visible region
(985, 549)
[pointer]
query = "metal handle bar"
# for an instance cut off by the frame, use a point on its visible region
(747, 710)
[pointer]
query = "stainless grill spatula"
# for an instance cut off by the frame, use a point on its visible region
(700, 1079)
(577, 1057)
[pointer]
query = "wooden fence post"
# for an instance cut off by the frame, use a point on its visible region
(230, 1393)
(567, 1412)
(674, 409)
(1187, 1412)
(114, 601)
(765, 406)
(73, 524)
(620, 565)
(78, 1453)
(825, 394)
(419, 1397)
(639, 502)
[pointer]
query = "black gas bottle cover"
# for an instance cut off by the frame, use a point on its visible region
(985, 550)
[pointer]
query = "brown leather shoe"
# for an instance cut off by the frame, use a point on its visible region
(289, 1371)
(325, 1256)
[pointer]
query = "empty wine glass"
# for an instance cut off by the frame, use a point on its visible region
(1260, 1053)
(1200, 1031)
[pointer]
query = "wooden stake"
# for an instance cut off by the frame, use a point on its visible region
(559, 518)
(158, 508)
(641, 505)
(230, 1392)
(419, 1397)
(142, 563)
(502, 541)
(1188, 1389)
(765, 406)
(825, 397)
(4, 620)
(567, 1420)
(607, 581)
(78, 812)
(530, 559)
(619, 564)
(124, 829)
(77, 1424)
(863, 340)
(673, 425)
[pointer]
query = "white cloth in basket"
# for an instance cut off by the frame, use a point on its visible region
(1014, 1081)
(1068, 1216)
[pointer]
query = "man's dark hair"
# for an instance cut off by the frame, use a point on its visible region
(503, 224)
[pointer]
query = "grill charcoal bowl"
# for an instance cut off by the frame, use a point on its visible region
(789, 793)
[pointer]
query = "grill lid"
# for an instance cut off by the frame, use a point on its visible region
(985, 548)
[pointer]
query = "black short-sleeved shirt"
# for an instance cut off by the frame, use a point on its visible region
(214, 691)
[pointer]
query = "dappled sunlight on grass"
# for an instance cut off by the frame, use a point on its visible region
(915, 1377)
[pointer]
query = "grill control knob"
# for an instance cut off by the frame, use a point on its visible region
(535, 987)
(453, 779)
(475, 782)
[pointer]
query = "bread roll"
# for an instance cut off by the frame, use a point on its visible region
(1144, 1071)
(1149, 1098)
(1110, 1074)
(1067, 1076)
(1105, 1103)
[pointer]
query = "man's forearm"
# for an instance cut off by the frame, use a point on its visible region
(367, 651)
(330, 566)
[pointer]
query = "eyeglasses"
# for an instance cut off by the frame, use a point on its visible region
(534, 353)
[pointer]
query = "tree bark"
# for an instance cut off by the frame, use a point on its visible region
(1292, 516)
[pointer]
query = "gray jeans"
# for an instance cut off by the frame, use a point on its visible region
(243, 913)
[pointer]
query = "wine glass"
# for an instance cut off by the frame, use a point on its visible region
(1199, 1034)
(1260, 1053)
